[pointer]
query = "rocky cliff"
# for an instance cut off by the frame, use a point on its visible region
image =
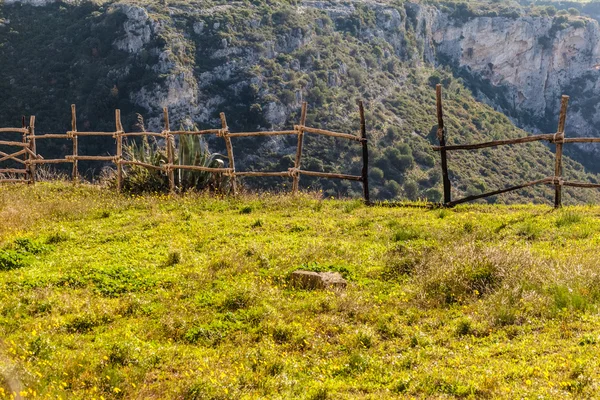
(523, 65)
(258, 62)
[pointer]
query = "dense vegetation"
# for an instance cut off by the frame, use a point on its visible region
(105, 296)
(257, 61)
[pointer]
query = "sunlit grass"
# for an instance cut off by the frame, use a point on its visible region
(187, 297)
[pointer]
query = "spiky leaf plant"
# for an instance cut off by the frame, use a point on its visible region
(193, 150)
(138, 179)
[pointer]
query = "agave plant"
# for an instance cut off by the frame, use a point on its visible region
(138, 179)
(193, 150)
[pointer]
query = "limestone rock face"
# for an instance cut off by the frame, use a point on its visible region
(317, 280)
(275, 113)
(531, 64)
(179, 89)
(138, 29)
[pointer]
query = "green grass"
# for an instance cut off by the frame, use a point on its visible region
(158, 297)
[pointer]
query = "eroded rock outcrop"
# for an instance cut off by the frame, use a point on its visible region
(531, 63)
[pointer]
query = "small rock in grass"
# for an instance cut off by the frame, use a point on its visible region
(317, 280)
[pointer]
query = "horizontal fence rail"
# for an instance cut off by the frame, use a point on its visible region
(528, 139)
(32, 159)
(558, 139)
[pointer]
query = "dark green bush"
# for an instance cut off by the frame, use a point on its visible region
(411, 189)
(376, 174)
(10, 259)
(392, 188)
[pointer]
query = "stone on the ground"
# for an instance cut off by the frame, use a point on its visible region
(317, 280)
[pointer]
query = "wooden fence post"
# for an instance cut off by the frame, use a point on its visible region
(119, 157)
(229, 147)
(32, 148)
(559, 139)
(170, 151)
(24, 137)
(75, 172)
(297, 163)
(365, 151)
(441, 134)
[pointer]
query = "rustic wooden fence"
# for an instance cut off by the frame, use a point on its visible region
(23, 156)
(32, 159)
(558, 139)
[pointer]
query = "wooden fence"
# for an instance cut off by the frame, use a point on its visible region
(558, 139)
(23, 156)
(32, 159)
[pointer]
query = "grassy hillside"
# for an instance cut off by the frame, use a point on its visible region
(105, 296)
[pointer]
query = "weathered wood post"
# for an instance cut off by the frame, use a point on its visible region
(75, 172)
(119, 156)
(32, 149)
(365, 152)
(24, 136)
(170, 151)
(559, 139)
(441, 134)
(229, 146)
(297, 163)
